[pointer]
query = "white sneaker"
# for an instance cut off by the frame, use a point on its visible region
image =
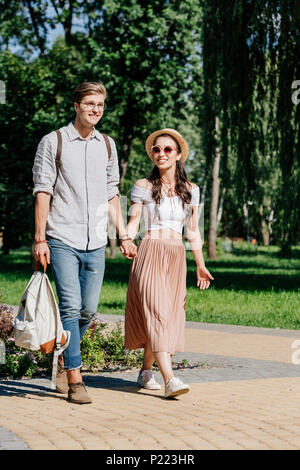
(175, 387)
(146, 380)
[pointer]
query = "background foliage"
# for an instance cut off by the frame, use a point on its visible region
(165, 63)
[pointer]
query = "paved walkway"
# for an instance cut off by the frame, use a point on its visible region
(245, 394)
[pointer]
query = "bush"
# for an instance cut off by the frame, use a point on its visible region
(105, 349)
(18, 362)
(6, 318)
(101, 347)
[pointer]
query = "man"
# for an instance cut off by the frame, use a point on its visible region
(71, 222)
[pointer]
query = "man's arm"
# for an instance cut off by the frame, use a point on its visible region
(114, 207)
(42, 206)
(115, 213)
(44, 176)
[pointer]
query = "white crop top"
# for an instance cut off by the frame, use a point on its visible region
(170, 213)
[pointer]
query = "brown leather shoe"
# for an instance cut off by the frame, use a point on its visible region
(61, 379)
(77, 394)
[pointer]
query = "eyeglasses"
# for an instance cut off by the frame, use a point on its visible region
(167, 149)
(91, 106)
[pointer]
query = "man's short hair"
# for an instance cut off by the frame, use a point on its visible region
(88, 88)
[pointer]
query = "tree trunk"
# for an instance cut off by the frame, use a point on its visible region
(67, 24)
(35, 25)
(246, 215)
(5, 242)
(220, 210)
(201, 208)
(123, 163)
(270, 221)
(213, 216)
(264, 227)
(112, 248)
(112, 235)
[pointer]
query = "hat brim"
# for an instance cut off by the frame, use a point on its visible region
(184, 149)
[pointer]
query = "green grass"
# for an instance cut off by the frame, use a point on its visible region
(253, 286)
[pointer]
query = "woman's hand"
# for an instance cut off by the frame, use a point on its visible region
(203, 277)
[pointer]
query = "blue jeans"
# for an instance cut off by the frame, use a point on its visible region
(78, 277)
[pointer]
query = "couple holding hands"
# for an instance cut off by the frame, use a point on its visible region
(71, 231)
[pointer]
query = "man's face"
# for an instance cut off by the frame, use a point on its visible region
(90, 109)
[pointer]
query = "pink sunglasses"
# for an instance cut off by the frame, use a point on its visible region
(167, 149)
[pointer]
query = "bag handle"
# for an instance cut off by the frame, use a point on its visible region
(38, 265)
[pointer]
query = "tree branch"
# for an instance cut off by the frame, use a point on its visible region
(35, 25)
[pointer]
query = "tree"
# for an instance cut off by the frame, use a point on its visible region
(25, 118)
(147, 48)
(141, 53)
(249, 63)
(288, 124)
(214, 205)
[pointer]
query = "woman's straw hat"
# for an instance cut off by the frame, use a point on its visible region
(184, 149)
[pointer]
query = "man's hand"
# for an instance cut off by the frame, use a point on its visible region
(128, 249)
(41, 250)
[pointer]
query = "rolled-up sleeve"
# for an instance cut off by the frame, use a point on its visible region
(113, 175)
(44, 168)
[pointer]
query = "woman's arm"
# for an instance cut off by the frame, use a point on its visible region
(135, 213)
(136, 208)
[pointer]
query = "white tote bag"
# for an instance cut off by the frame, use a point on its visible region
(38, 325)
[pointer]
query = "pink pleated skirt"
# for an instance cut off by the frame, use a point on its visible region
(156, 296)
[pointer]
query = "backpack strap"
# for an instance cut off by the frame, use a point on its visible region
(108, 146)
(59, 149)
(58, 154)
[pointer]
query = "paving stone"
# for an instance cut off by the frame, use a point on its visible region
(245, 394)
(9, 441)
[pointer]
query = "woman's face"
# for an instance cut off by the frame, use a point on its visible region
(163, 158)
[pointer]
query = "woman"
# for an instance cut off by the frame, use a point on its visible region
(155, 306)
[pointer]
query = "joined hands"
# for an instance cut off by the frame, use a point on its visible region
(128, 249)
